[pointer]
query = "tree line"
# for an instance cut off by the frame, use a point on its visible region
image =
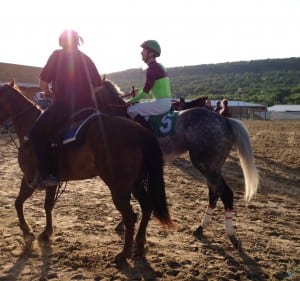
(269, 81)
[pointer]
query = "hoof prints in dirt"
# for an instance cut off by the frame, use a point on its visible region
(85, 243)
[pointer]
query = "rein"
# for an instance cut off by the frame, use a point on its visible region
(10, 121)
(59, 191)
(11, 137)
(117, 105)
(15, 117)
(9, 132)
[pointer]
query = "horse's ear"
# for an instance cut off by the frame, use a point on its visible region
(104, 77)
(12, 83)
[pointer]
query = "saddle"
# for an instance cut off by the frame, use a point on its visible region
(77, 122)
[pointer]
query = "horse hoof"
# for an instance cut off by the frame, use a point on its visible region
(198, 233)
(235, 242)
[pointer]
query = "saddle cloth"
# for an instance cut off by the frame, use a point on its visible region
(71, 134)
(163, 125)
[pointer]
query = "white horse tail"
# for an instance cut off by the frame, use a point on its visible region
(243, 144)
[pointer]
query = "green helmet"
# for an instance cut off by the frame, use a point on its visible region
(153, 46)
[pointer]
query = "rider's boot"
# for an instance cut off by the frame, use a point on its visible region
(140, 119)
(45, 165)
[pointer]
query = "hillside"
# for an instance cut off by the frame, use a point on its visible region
(270, 81)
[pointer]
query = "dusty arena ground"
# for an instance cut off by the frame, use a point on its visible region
(85, 243)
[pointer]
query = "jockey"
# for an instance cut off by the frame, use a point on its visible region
(70, 77)
(157, 87)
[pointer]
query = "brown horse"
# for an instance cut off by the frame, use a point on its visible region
(182, 104)
(123, 154)
(209, 138)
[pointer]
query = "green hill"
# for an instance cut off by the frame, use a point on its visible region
(270, 81)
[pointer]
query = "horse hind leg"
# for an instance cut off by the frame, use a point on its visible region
(219, 188)
(140, 239)
(208, 214)
(227, 199)
(122, 203)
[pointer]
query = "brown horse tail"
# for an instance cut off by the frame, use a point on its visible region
(155, 180)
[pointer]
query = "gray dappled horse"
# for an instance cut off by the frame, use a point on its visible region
(209, 138)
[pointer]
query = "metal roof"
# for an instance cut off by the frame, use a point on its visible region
(285, 108)
(23, 84)
(236, 103)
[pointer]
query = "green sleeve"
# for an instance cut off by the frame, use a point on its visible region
(139, 96)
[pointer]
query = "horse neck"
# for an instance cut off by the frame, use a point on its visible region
(199, 102)
(23, 115)
(113, 104)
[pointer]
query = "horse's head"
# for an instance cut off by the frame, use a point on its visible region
(7, 93)
(13, 104)
(109, 99)
(198, 102)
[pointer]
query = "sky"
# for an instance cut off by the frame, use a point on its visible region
(190, 32)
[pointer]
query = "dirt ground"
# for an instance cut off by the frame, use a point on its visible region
(85, 243)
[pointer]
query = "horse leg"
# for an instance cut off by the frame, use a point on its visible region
(120, 226)
(122, 203)
(48, 206)
(24, 193)
(227, 199)
(140, 239)
(207, 217)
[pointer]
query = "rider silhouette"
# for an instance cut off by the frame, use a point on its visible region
(73, 77)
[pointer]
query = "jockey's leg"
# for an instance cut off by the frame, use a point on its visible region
(46, 126)
(39, 137)
(140, 119)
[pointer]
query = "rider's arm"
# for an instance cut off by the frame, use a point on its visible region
(141, 95)
(44, 85)
(144, 93)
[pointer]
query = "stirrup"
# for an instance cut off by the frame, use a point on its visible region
(50, 181)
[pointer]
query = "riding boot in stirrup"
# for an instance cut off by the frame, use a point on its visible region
(140, 119)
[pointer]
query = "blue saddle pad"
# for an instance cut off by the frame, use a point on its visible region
(71, 134)
(164, 125)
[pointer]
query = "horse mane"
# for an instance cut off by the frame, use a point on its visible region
(13, 85)
(109, 99)
(112, 87)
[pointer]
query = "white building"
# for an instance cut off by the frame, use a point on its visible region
(284, 111)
